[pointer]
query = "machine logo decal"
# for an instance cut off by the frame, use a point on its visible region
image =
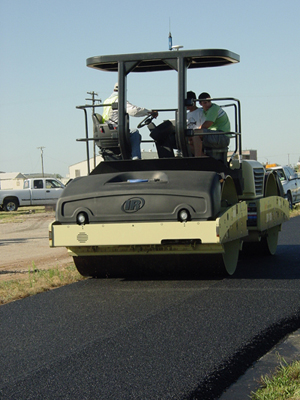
(133, 204)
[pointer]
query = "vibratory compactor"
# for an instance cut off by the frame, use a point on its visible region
(174, 212)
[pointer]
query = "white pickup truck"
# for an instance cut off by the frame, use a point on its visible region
(290, 182)
(35, 192)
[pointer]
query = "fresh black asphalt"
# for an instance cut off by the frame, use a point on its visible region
(150, 339)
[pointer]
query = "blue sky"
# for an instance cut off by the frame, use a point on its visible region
(43, 75)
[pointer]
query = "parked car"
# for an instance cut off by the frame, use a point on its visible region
(35, 192)
(290, 182)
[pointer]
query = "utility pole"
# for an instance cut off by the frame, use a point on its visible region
(94, 100)
(42, 158)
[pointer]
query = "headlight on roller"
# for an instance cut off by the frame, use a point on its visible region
(183, 215)
(82, 218)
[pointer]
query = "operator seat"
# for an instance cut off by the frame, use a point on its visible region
(217, 154)
(107, 139)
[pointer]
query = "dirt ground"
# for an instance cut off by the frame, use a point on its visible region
(24, 244)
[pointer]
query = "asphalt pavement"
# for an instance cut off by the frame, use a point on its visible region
(288, 349)
(151, 339)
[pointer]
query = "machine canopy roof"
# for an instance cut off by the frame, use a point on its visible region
(165, 60)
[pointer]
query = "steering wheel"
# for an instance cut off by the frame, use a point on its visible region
(146, 121)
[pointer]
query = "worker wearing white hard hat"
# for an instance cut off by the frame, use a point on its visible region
(111, 115)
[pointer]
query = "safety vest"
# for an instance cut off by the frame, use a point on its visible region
(107, 109)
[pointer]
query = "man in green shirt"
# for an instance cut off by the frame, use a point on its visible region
(216, 120)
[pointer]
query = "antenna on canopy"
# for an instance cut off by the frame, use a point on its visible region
(170, 36)
(171, 47)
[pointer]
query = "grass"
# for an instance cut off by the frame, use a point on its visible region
(283, 385)
(20, 215)
(37, 281)
(296, 211)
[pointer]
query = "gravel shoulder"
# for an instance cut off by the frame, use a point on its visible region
(24, 244)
